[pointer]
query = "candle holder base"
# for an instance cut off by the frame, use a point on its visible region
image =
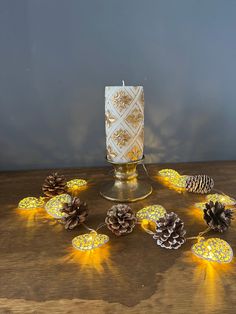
(126, 187)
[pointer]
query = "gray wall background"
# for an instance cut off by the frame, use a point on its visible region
(56, 56)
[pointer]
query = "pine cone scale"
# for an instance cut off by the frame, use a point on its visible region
(217, 217)
(54, 184)
(75, 213)
(201, 184)
(120, 219)
(170, 232)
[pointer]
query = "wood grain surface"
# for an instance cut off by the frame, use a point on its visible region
(41, 273)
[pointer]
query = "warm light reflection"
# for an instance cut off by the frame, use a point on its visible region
(170, 185)
(33, 216)
(97, 259)
(209, 280)
(195, 214)
(75, 186)
(148, 225)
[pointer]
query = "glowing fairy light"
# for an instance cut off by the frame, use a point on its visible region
(89, 241)
(31, 203)
(151, 213)
(214, 250)
(221, 198)
(200, 184)
(224, 199)
(173, 177)
(55, 204)
(76, 184)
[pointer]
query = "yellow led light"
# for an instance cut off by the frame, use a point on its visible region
(224, 199)
(89, 241)
(76, 183)
(214, 250)
(168, 173)
(173, 177)
(151, 213)
(31, 202)
(55, 204)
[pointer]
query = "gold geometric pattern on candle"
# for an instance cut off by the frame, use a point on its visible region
(124, 114)
(111, 154)
(109, 118)
(134, 153)
(141, 135)
(121, 137)
(135, 117)
(121, 100)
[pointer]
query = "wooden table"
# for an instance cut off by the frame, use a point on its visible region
(41, 273)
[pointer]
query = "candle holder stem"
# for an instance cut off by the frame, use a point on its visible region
(126, 187)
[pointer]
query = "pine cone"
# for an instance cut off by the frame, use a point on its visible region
(217, 217)
(170, 232)
(54, 184)
(120, 219)
(200, 184)
(75, 213)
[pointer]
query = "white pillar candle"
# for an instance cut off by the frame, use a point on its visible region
(124, 120)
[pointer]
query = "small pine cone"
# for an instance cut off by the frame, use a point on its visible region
(54, 184)
(201, 184)
(120, 219)
(75, 213)
(217, 217)
(170, 232)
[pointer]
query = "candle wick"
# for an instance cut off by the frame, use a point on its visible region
(123, 82)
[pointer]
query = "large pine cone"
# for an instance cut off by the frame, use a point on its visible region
(217, 217)
(170, 232)
(75, 213)
(201, 184)
(120, 219)
(54, 184)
